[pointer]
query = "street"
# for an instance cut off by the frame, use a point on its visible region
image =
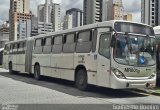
(23, 89)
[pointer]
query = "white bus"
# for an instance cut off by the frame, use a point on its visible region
(157, 35)
(112, 54)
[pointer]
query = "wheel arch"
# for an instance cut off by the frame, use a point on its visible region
(78, 68)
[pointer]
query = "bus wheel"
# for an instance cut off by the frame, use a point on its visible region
(81, 80)
(10, 68)
(37, 72)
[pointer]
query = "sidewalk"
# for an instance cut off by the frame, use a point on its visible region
(3, 70)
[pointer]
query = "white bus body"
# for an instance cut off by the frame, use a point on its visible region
(87, 55)
(157, 35)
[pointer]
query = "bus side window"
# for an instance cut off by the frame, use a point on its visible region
(10, 50)
(84, 43)
(24, 47)
(38, 47)
(57, 45)
(69, 44)
(94, 40)
(18, 48)
(6, 50)
(104, 45)
(14, 49)
(47, 45)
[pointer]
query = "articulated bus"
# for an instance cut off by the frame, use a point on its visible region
(111, 54)
(157, 35)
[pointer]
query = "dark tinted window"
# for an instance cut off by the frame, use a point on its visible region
(57, 45)
(84, 43)
(104, 45)
(69, 44)
(38, 49)
(48, 45)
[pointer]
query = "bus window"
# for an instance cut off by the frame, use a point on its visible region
(84, 43)
(6, 50)
(15, 48)
(57, 45)
(94, 40)
(47, 45)
(20, 48)
(69, 45)
(104, 45)
(38, 46)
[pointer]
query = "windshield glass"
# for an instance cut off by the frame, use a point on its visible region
(157, 38)
(134, 50)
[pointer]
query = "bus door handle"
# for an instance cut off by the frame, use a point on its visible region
(103, 65)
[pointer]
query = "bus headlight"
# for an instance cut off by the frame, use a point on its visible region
(152, 76)
(118, 73)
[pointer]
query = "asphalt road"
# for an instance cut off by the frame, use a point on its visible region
(61, 94)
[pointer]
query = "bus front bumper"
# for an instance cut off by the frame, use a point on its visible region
(117, 83)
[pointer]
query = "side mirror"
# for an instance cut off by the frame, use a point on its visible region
(113, 41)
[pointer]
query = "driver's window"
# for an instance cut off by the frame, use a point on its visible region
(104, 46)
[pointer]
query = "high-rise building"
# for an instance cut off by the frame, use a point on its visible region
(68, 22)
(50, 13)
(56, 17)
(127, 17)
(77, 17)
(44, 11)
(19, 10)
(118, 10)
(44, 28)
(97, 11)
(150, 12)
(24, 29)
(4, 34)
(34, 26)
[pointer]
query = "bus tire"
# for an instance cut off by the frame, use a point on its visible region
(37, 72)
(81, 80)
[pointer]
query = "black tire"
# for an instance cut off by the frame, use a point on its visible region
(81, 80)
(37, 75)
(10, 68)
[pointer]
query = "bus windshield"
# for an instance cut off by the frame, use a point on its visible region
(134, 50)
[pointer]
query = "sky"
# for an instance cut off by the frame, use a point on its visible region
(131, 6)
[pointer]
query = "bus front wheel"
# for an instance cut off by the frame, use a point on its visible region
(37, 72)
(81, 80)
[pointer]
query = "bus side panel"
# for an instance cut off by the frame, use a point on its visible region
(45, 64)
(54, 68)
(66, 64)
(28, 56)
(20, 62)
(89, 61)
(14, 61)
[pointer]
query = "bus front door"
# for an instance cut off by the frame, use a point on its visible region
(103, 70)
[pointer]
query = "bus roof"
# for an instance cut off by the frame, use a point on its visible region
(16, 41)
(90, 26)
(157, 29)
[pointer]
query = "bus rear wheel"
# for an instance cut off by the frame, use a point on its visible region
(37, 72)
(81, 80)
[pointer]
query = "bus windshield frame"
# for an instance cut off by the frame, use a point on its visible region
(134, 50)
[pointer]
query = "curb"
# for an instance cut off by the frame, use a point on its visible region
(149, 91)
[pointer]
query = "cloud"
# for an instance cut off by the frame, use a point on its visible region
(134, 7)
(4, 10)
(131, 6)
